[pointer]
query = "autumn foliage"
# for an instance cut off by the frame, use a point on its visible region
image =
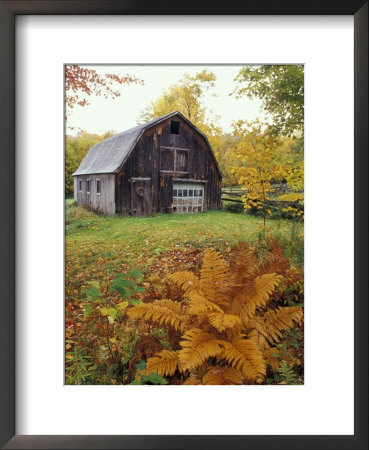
(229, 328)
(81, 80)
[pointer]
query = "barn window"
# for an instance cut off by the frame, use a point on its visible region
(181, 161)
(98, 187)
(188, 197)
(80, 185)
(174, 160)
(167, 159)
(174, 127)
(88, 186)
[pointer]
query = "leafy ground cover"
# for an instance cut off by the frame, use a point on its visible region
(99, 247)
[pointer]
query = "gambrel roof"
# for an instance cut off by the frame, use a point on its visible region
(108, 156)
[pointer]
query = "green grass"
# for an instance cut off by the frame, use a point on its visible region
(97, 246)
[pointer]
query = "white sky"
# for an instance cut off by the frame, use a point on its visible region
(121, 113)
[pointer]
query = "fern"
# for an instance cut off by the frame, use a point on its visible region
(286, 373)
(244, 355)
(229, 331)
(164, 363)
(222, 375)
(222, 321)
(272, 357)
(197, 347)
(199, 304)
(214, 281)
(254, 295)
(186, 280)
(162, 312)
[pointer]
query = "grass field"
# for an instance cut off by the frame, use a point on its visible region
(97, 246)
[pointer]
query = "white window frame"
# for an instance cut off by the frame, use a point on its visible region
(98, 181)
(88, 185)
(80, 185)
(181, 204)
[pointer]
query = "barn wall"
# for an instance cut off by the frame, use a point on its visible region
(144, 161)
(105, 201)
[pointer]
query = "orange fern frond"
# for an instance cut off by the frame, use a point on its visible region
(273, 322)
(222, 375)
(244, 355)
(163, 312)
(192, 380)
(164, 363)
(222, 321)
(215, 276)
(272, 357)
(197, 347)
(275, 259)
(270, 333)
(186, 280)
(198, 304)
(244, 262)
(254, 296)
(283, 318)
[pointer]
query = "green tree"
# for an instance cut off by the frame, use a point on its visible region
(281, 88)
(76, 148)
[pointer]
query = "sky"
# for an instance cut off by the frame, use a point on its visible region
(122, 113)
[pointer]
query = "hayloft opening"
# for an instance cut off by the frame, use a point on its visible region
(174, 127)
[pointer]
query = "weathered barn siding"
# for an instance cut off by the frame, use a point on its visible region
(105, 201)
(147, 161)
(136, 169)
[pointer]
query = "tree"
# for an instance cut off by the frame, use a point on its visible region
(185, 97)
(281, 88)
(224, 146)
(76, 148)
(261, 159)
(81, 82)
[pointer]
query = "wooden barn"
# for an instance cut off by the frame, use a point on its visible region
(165, 165)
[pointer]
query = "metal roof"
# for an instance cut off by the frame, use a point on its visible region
(108, 156)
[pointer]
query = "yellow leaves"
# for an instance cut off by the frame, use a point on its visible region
(244, 355)
(222, 321)
(164, 363)
(292, 197)
(222, 375)
(197, 347)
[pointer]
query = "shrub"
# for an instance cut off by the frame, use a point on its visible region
(76, 212)
(233, 207)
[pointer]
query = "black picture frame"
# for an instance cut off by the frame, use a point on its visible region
(8, 12)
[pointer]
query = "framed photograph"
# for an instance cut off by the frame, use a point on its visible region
(185, 227)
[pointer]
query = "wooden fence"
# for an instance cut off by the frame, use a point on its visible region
(235, 194)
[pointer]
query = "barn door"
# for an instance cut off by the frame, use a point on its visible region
(141, 203)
